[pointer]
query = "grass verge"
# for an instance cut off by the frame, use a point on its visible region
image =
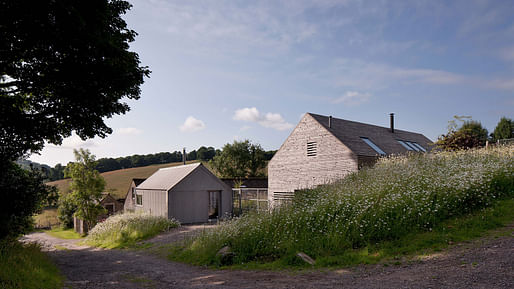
(63, 233)
(25, 266)
(124, 230)
(368, 214)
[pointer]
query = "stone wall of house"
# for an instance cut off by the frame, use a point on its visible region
(292, 168)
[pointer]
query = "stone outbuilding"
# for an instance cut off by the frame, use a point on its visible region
(188, 193)
(323, 149)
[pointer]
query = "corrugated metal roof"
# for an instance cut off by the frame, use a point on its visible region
(167, 178)
(351, 133)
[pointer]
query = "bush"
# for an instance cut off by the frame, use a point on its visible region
(398, 196)
(25, 266)
(126, 229)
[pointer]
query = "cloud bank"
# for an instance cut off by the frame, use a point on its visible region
(192, 124)
(269, 120)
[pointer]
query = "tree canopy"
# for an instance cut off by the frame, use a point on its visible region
(65, 66)
(504, 129)
(242, 159)
(86, 186)
(469, 135)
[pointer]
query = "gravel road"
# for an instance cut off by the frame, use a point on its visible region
(484, 263)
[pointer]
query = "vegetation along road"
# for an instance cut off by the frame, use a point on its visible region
(483, 263)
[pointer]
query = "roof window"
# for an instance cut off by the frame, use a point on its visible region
(419, 147)
(405, 145)
(373, 145)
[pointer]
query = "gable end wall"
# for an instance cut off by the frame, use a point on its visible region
(291, 169)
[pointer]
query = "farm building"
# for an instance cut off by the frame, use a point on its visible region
(322, 149)
(188, 193)
(110, 204)
(130, 198)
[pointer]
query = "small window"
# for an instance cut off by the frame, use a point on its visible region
(139, 200)
(412, 146)
(419, 147)
(133, 193)
(405, 145)
(312, 148)
(110, 209)
(373, 145)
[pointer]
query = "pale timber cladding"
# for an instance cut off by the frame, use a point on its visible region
(321, 150)
(291, 168)
(185, 193)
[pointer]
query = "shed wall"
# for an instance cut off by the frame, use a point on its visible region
(291, 169)
(189, 200)
(154, 202)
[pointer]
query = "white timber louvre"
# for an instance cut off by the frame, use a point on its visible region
(312, 149)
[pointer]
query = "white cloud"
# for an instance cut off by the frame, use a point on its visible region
(75, 142)
(129, 131)
(270, 120)
(192, 124)
(352, 98)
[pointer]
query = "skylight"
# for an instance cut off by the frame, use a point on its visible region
(420, 147)
(405, 145)
(373, 146)
(413, 146)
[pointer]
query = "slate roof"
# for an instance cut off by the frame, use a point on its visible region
(350, 133)
(167, 178)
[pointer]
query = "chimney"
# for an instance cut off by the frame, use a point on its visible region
(330, 122)
(184, 155)
(391, 115)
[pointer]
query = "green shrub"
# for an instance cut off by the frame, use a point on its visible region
(126, 229)
(397, 197)
(25, 266)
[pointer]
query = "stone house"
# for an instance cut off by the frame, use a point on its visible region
(323, 149)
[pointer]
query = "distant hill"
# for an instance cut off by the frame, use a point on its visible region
(118, 182)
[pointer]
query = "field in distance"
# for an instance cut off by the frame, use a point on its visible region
(118, 182)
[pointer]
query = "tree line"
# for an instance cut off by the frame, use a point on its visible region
(111, 164)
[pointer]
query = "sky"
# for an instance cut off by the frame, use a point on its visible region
(235, 70)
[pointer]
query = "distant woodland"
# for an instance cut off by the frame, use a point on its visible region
(133, 161)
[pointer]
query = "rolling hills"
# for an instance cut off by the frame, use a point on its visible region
(118, 182)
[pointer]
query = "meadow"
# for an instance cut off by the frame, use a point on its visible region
(372, 212)
(123, 230)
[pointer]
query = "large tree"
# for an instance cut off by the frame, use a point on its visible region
(242, 159)
(86, 186)
(504, 129)
(65, 65)
(470, 134)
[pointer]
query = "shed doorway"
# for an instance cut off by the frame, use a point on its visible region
(214, 204)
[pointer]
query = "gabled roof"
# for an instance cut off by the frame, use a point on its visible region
(137, 181)
(167, 178)
(350, 133)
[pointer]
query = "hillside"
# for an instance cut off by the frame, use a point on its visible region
(118, 182)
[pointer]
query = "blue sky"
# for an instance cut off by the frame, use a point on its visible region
(225, 70)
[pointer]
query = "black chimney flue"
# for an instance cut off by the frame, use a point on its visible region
(392, 121)
(330, 122)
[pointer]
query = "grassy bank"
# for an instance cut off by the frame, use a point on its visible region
(63, 233)
(125, 230)
(372, 212)
(25, 266)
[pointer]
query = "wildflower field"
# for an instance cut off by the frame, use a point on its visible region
(126, 229)
(370, 210)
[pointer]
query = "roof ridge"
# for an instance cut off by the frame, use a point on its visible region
(181, 166)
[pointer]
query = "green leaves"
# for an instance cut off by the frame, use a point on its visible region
(241, 159)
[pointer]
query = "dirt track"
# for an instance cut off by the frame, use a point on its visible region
(485, 263)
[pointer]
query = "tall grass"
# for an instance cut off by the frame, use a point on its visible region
(126, 229)
(25, 266)
(398, 196)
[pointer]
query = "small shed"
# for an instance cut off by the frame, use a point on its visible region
(188, 193)
(109, 203)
